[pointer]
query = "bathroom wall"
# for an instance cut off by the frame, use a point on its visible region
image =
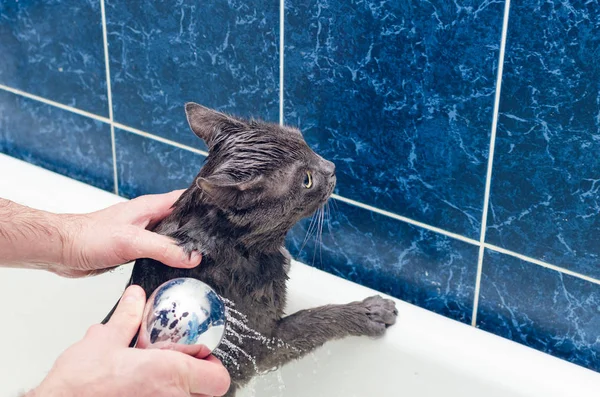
(466, 133)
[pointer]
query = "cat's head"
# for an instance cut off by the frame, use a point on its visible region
(262, 175)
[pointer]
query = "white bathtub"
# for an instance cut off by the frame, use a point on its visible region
(423, 355)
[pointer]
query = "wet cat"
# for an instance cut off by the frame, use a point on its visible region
(258, 180)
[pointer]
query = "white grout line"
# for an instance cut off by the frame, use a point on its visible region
(541, 263)
(160, 139)
(406, 220)
(465, 239)
(335, 196)
(488, 181)
(102, 119)
(109, 94)
(55, 104)
(281, 54)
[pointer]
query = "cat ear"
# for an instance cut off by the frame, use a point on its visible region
(207, 123)
(215, 182)
(228, 192)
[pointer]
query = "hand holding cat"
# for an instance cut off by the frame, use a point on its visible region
(101, 364)
(118, 234)
(76, 245)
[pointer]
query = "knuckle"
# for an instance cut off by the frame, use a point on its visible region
(177, 371)
(125, 241)
(143, 204)
(118, 211)
(130, 313)
(95, 331)
(165, 251)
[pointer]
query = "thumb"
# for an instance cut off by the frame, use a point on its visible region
(164, 249)
(127, 317)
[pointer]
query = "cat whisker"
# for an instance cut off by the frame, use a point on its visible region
(309, 231)
(321, 236)
(328, 207)
(318, 213)
(334, 204)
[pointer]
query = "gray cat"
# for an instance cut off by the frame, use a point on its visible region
(259, 180)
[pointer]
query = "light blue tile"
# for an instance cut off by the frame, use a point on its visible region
(223, 55)
(54, 49)
(61, 141)
(399, 94)
(541, 308)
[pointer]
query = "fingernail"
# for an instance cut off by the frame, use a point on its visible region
(132, 294)
(195, 257)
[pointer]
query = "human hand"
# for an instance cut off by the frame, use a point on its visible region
(107, 238)
(102, 364)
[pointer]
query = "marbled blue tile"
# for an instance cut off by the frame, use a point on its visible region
(146, 166)
(399, 94)
(541, 308)
(223, 55)
(54, 49)
(3, 136)
(545, 200)
(410, 263)
(61, 141)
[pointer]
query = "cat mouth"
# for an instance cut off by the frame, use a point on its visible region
(330, 190)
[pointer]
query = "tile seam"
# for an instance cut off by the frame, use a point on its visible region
(541, 263)
(55, 104)
(488, 180)
(281, 57)
(101, 119)
(109, 95)
(159, 139)
(405, 219)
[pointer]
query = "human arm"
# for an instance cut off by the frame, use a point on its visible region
(76, 245)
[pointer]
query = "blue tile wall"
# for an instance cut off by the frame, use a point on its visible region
(148, 167)
(224, 55)
(411, 263)
(61, 141)
(541, 308)
(399, 94)
(398, 100)
(54, 49)
(545, 200)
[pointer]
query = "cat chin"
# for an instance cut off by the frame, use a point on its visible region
(324, 200)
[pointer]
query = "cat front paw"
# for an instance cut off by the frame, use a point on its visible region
(380, 313)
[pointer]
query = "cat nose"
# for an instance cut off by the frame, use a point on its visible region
(329, 168)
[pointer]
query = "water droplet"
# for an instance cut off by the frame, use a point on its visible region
(231, 351)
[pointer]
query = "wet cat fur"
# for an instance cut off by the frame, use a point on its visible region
(251, 190)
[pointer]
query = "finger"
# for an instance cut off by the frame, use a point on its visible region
(207, 377)
(163, 249)
(127, 317)
(154, 207)
(213, 360)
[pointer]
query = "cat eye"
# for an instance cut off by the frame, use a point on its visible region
(308, 181)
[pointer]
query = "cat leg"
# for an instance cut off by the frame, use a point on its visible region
(304, 331)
